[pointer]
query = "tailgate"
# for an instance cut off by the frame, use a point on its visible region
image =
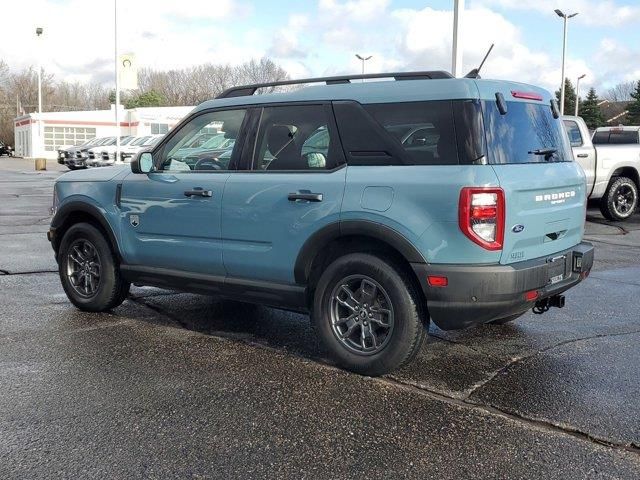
(545, 208)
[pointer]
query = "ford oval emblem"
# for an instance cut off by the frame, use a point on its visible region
(517, 228)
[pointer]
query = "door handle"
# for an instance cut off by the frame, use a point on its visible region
(305, 195)
(582, 155)
(198, 192)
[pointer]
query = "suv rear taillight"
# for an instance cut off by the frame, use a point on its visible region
(481, 216)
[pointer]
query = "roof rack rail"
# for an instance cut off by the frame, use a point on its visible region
(248, 90)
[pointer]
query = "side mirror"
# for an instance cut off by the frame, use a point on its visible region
(142, 163)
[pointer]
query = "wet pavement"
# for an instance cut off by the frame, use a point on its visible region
(173, 384)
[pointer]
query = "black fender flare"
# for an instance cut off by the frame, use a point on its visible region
(68, 209)
(345, 228)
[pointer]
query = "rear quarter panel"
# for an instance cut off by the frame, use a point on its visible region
(421, 203)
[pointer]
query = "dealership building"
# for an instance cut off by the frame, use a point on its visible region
(42, 135)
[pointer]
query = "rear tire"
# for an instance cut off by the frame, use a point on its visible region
(620, 201)
(368, 314)
(89, 271)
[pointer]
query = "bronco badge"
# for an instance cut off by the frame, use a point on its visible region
(134, 220)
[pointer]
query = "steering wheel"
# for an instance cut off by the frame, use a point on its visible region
(208, 164)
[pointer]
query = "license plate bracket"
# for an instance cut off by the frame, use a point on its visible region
(556, 268)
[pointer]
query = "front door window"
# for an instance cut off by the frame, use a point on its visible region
(206, 143)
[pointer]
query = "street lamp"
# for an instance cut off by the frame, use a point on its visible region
(39, 31)
(578, 91)
(363, 59)
(117, 65)
(456, 54)
(564, 17)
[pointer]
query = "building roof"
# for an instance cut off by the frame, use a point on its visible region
(108, 116)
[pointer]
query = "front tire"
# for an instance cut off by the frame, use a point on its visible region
(88, 270)
(368, 314)
(620, 200)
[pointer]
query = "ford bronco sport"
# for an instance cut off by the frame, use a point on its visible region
(377, 207)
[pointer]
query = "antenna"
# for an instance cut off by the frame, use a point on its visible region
(475, 73)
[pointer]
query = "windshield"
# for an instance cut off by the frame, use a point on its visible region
(527, 133)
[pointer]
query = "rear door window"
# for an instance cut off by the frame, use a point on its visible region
(296, 137)
(527, 133)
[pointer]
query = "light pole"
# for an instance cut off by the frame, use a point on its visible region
(564, 17)
(456, 60)
(578, 91)
(363, 59)
(36, 151)
(117, 65)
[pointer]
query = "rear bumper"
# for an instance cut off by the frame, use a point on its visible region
(480, 294)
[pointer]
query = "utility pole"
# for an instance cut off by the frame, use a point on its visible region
(456, 60)
(565, 18)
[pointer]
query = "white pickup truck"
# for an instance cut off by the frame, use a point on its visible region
(611, 162)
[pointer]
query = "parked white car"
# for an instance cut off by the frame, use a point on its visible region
(139, 143)
(99, 156)
(108, 153)
(611, 163)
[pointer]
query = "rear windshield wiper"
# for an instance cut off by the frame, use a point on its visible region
(547, 152)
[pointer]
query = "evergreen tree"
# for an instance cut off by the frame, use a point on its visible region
(633, 117)
(147, 99)
(590, 110)
(569, 97)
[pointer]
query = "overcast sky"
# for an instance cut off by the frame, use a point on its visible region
(319, 37)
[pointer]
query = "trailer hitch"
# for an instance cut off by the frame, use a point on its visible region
(545, 304)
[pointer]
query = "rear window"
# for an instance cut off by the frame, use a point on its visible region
(601, 138)
(625, 136)
(527, 133)
(615, 137)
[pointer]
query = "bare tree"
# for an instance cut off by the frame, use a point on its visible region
(621, 92)
(194, 85)
(188, 86)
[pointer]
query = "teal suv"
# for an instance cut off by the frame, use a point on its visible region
(375, 206)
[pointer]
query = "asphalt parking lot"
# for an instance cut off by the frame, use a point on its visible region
(182, 385)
